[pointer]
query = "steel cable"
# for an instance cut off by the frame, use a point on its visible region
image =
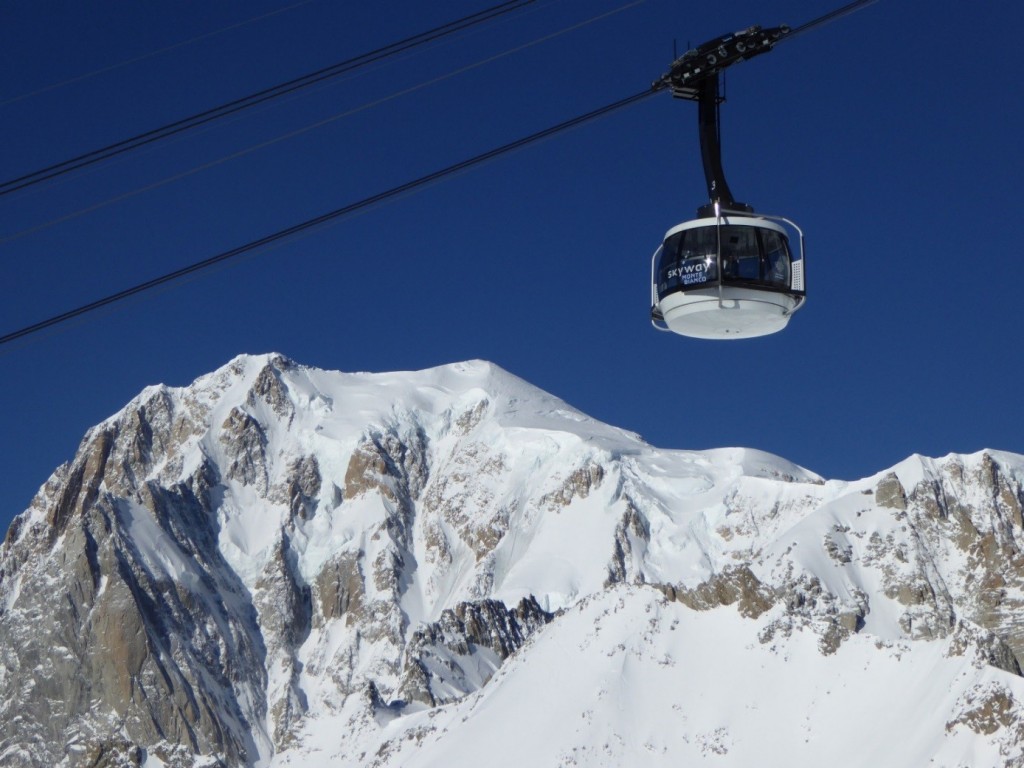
(327, 218)
(232, 107)
(319, 124)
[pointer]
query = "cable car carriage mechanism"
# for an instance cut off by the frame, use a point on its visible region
(730, 273)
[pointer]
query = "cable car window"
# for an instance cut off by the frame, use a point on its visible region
(688, 260)
(752, 256)
(698, 243)
(741, 256)
(776, 258)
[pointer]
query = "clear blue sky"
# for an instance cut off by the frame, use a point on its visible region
(891, 137)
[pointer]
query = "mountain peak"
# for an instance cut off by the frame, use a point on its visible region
(275, 555)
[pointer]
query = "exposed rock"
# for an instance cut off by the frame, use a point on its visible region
(81, 488)
(245, 443)
(368, 471)
(468, 419)
(300, 489)
(983, 646)
(890, 493)
(992, 710)
(838, 547)
(810, 606)
(385, 463)
(456, 499)
(339, 586)
(269, 388)
(577, 486)
(735, 584)
(113, 649)
(109, 754)
(631, 537)
(464, 639)
(285, 616)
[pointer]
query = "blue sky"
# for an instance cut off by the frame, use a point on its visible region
(891, 137)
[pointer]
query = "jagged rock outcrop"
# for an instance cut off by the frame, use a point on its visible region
(736, 585)
(108, 644)
(459, 652)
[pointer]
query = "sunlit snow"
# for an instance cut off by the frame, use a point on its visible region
(498, 491)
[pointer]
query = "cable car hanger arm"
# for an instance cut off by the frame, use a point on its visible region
(713, 57)
(707, 61)
(695, 76)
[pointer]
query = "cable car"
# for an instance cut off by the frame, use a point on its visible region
(727, 275)
(730, 273)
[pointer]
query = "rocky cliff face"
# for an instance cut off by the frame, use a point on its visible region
(277, 564)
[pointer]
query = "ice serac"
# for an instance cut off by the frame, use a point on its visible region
(279, 565)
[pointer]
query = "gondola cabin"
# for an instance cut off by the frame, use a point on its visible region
(727, 276)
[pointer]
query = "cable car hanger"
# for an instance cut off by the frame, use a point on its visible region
(730, 273)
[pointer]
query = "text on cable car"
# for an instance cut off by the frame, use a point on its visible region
(688, 274)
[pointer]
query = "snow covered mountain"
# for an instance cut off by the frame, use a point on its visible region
(281, 566)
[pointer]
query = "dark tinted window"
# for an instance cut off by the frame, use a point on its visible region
(776, 258)
(750, 256)
(688, 260)
(741, 257)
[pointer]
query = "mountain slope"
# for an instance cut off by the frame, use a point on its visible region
(284, 566)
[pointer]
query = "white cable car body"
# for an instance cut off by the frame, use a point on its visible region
(730, 273)
(729, 276)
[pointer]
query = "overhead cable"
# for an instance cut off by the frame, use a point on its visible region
(232, 107)
(838, 13)
(319, 124)
(152, 54)
(328, 217)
